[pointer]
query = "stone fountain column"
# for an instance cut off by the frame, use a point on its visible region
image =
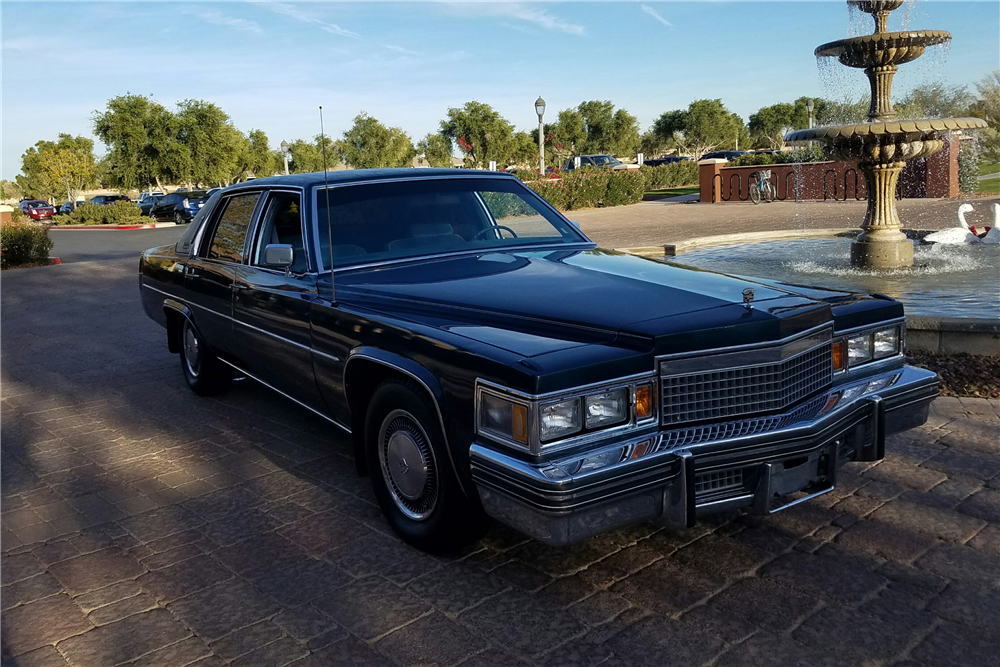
(882, 146)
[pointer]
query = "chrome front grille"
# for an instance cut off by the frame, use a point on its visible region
(714, 482)
(729, 392)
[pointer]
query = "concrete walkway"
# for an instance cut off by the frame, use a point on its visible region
(143, 525)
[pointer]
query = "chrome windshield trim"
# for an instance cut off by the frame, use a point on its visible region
(478, 251)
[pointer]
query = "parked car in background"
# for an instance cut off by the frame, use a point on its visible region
(600, 161)
(67, 208)
(725, 155)
(659, 161)
(36, 209)
(179, 207)
(487, 358)
(214, 190)
(107, 200)
(147, 200)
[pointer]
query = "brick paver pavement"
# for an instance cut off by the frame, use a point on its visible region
(144, 525)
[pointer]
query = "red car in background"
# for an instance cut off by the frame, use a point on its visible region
(37, 209)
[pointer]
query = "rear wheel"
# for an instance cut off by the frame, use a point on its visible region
(755, 193)
(411, 473)
(178, 218)
(204, 373)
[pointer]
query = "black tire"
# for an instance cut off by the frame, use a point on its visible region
(411, 472)
(755, 193)
(179, 219)
(204, 373)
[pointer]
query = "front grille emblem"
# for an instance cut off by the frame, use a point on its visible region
(748, 298)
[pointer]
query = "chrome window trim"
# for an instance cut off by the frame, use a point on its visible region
(320, 187)
(213, 218)
(533, 402)
(259, 221)
(233, 319)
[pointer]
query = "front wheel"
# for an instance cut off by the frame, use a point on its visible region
(205, 374)
(178, 218)
(411, 472)
(768, 191)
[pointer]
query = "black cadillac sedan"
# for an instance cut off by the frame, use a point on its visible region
(488, 359)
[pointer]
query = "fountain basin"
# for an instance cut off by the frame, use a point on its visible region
(918, 128)
(883, 49)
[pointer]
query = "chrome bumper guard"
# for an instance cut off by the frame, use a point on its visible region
(762, 472)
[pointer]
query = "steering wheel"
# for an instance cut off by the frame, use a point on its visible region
(490, 229)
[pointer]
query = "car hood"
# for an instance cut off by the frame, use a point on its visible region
(509, 299)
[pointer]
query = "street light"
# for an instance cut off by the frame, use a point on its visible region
(284, 153)
(540, 110)
(810, 105)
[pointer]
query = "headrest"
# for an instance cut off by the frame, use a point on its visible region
(430, 229)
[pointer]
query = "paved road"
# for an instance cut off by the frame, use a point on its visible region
(144, 525)
(81, 245)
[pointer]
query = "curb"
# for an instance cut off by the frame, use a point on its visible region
(152, 225)
(953, 335)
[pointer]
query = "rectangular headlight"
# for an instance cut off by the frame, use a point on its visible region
(886, 343)
(557, 420)
(607, 407)
(859, 350)
(504, 418)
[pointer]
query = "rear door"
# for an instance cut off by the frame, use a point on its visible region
(208, 279)
(271, 305)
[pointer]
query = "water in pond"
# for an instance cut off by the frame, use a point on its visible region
(952, 281)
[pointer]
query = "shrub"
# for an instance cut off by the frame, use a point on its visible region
(119, 213)
(586, 188)
(625, 187)
(670, 175)
(797, 155)
(23, 243)
(551, 191)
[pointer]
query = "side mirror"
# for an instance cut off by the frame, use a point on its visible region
(279, 255)
(575, 223)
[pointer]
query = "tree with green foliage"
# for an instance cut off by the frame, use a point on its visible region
(481, 133)
(704, 126)
(936, 101)
(608, 130)
(51, 169)
(769, 124)
(141, 136)
(987, 107)
(846, 111)
(259, 159)
(369, 144)
(10, 190)
(436, 148)
(215, 146)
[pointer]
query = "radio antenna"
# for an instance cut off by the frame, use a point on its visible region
(326, 183)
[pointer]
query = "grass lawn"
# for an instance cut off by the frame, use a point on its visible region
(675, 192)
(991, 186)
(988, 168)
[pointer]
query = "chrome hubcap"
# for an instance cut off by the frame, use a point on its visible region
(192, 351)
(407, 463)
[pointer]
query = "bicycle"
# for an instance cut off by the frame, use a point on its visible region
(761, 188)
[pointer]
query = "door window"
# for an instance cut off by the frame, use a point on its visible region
(517, 215)
(231, 228)
(282, 224)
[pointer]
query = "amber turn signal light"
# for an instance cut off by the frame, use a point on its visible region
(838, 356)
(520, 430)
(643, 402)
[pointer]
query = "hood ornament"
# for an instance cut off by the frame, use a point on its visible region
(748, 298)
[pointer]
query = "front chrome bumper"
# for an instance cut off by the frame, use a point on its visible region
(762, 465)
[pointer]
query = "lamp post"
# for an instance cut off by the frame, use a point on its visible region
(810, 105)
(540, 110)
(284, 153)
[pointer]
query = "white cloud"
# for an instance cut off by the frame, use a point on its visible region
(400, 49)
(294, 12)
(521, 12)
(652, 12)
(218, 18)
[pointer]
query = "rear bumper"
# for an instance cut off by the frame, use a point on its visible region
(762, 465)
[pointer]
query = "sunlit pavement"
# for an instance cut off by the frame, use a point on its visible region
(145, 525)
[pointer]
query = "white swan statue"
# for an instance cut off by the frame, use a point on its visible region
(955, 235)
(993, 236)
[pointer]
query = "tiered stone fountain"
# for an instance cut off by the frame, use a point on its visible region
(883, 145)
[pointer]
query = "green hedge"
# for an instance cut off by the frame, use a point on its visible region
(594, 188)
(118, 213)
(801, 154)
(23, 243)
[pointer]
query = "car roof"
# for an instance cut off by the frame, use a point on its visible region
(366, 175)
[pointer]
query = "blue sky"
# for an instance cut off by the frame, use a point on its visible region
(270, 65)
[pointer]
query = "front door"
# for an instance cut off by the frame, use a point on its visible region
(208, 278)
(271, 304)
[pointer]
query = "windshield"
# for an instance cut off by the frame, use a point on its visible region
(604, 159)
(35, 204)
(381, 221)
